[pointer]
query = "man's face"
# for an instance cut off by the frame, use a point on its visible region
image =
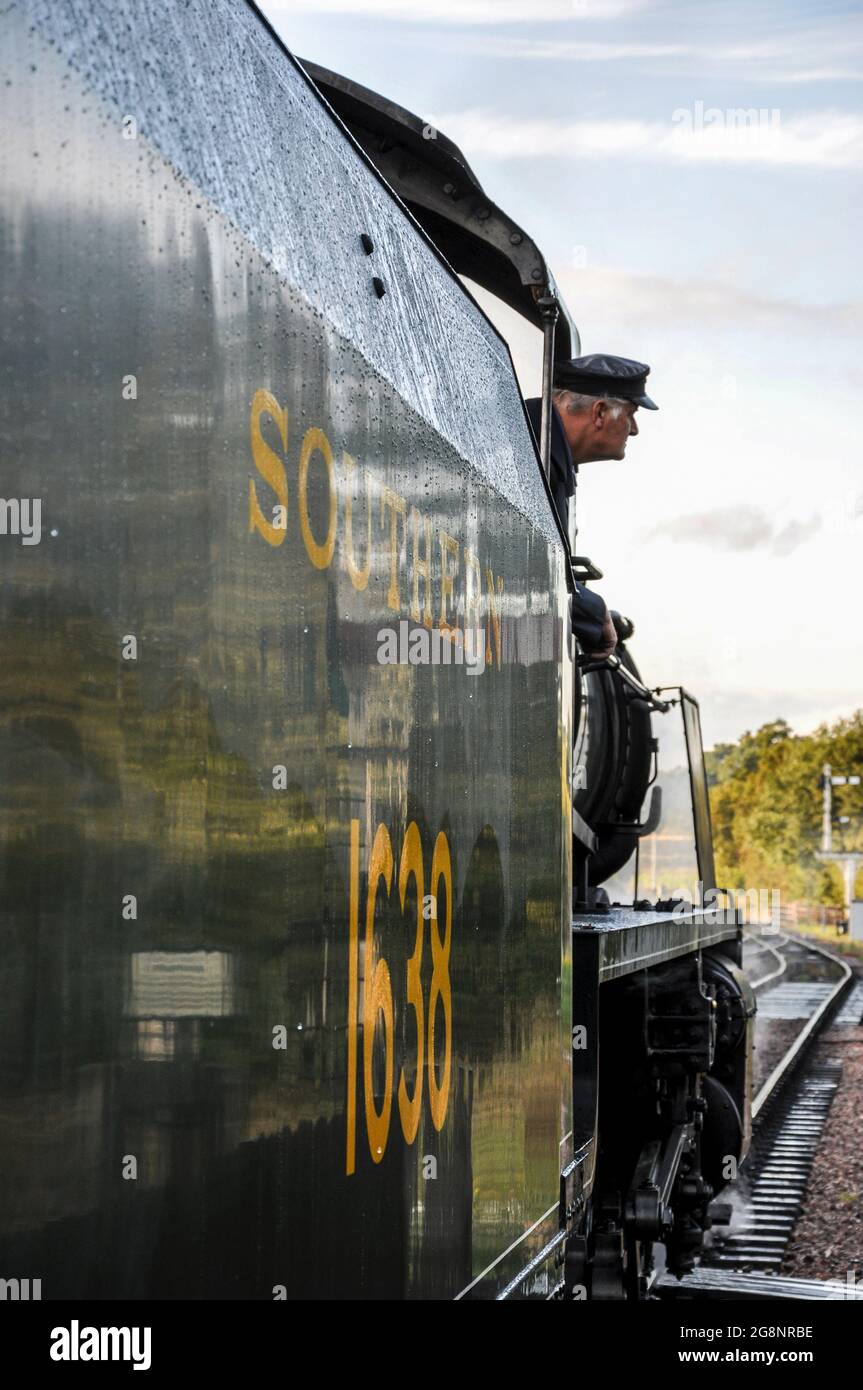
(612, 434)
(601, 432)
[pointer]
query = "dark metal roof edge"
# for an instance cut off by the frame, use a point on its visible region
(461, 202)
(394, 114)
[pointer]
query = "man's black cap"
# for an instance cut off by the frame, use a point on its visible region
(601, 375)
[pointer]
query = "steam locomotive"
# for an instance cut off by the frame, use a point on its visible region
(323, 975)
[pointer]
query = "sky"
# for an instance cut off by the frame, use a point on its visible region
(721, 248)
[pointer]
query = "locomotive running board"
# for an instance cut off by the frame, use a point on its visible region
(624, 940)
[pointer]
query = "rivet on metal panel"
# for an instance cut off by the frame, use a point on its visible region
(515, 238)
(379, 286)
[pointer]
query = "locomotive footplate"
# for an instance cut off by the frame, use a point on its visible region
(661, 1052)
(622, 939)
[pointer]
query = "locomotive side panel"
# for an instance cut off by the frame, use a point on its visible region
(282, 916)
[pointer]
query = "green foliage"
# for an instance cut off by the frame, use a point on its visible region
(766, 806)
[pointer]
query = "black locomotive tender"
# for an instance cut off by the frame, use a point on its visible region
(311, 982)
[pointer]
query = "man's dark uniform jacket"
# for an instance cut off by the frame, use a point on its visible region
(588, 609)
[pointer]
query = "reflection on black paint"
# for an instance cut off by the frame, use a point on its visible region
(151, 1035)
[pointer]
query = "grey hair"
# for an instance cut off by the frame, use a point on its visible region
(573, 402)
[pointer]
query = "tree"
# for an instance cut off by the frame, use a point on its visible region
(766, 806)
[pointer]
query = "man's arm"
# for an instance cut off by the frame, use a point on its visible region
(593, 624)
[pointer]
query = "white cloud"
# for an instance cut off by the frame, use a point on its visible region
(821, 75)
(827, 52)
(727, 713)
(706, 331)
(701, 303)
(465, 11)
(737, 528)
(582, 51)
(822, 139)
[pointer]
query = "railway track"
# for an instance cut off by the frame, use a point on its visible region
(723, 1283)
(797, 984)
(810, 1001)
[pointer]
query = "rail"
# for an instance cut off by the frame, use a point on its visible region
(807, 1032)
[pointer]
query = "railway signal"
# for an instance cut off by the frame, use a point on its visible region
(849, 860)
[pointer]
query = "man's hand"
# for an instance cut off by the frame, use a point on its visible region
(609, 640)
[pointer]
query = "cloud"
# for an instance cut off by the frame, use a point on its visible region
(821, 75)
(465, 12)
(583, 50)
(738, 528)
(726, 528)
(804, 56)
(726, 713)
(701, 303)
(794, 534)
(691, 135)
(714, 337)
